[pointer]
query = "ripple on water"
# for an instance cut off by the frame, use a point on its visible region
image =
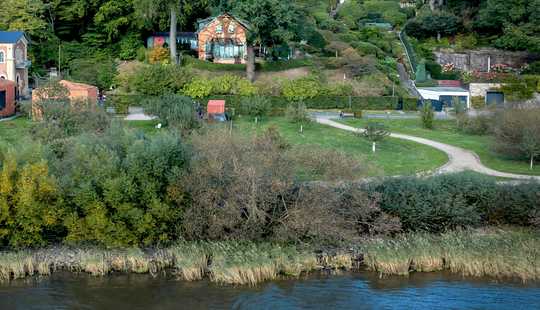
(347, 291)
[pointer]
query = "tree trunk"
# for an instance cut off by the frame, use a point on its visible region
(250, 65)
(172, 35)
(532, 161)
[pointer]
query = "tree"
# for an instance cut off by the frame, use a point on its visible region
(178, 9)
(173, 110)
(257, 106)
(375, 132)
(530, 144)
(23, 15)
(517, 133)
(272, 22)
(427, 115)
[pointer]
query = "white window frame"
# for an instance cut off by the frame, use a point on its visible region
(3, 57)
(232, 28)
(219, 28)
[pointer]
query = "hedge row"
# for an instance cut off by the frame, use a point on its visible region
(122, 102)
(457, 200)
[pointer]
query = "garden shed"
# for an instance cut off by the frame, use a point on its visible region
(7, 98)
(216, 107)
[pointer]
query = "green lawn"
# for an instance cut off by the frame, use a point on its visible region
(446, 132)
(11, 131)
(393, 157)
(145, 126)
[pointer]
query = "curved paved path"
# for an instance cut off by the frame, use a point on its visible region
(459, 159)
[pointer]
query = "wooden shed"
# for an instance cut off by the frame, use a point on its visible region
(7, 98)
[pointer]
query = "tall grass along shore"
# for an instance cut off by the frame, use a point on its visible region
(495, 252)
(243, 263)
(488, 252)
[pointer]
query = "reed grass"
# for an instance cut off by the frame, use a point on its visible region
(223, 262)
(189, 260)
(488, 252)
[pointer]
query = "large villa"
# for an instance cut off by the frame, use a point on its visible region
(221, 39)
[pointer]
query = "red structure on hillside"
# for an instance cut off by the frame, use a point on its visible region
(7, 98)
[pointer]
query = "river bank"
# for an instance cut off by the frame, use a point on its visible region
(501, 253)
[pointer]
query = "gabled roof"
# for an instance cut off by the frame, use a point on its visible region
(11, 37)
(202, 23)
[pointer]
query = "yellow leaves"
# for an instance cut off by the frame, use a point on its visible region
(28, 201)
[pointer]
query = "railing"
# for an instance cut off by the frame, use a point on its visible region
(409, 51)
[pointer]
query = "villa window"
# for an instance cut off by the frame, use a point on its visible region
(2, 57)
(219, 29)
(232, 28)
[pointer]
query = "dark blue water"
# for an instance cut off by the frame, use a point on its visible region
(348, 291)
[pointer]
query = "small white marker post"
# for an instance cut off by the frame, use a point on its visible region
(301, 128)
(373, 147)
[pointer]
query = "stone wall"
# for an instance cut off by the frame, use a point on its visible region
(480, 60)
(480, 89)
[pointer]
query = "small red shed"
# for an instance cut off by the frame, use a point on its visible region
(7, 98)
(216, 107)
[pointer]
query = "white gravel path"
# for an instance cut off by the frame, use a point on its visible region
(459, 159)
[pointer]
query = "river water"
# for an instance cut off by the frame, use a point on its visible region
(347, 291)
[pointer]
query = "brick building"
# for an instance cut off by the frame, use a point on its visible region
(14, 62)
(7, 98)
(221, 39)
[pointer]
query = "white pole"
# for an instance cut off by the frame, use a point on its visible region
(373, 148)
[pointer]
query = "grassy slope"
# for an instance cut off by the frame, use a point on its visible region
(446, 132)
(394, 157)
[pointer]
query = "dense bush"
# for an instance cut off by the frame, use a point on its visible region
(173, 110)
(257, 106)
(475, 125)
(297, 113)
(432, 25)
(156, 80)
(29, 198)
(159, 55)
(97, 71)
(436, 72)
(129, 47)
(445, 202)
(62, 119)
(245, 188)
(301, 89)
(533, 68)
(228, 84)
(119, 187)
(113, 188)
(517, 133)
